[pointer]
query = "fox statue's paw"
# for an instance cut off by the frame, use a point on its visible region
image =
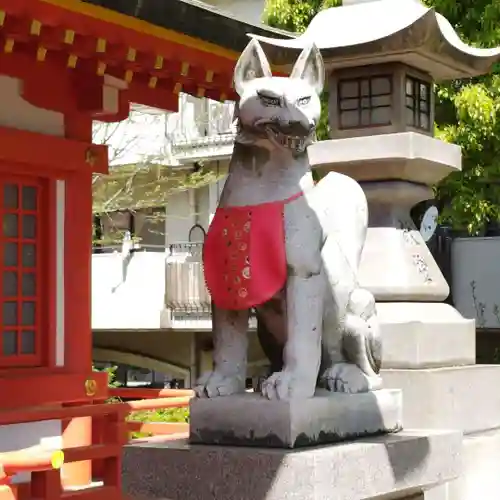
(349, 378)
(287, 385)
(214, 384)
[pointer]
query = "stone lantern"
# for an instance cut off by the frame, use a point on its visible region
(382, 58)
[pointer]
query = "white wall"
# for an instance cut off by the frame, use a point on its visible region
(475, 261)
(128, 294)
(180, 217)
(204, 208)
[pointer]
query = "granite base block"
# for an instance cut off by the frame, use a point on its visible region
(395, 466)
(251, 420)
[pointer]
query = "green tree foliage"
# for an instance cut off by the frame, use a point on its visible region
(294, 15)
(162, 415)
(467, 111)
(467, 114)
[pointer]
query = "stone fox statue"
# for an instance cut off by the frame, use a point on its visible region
(287, 248)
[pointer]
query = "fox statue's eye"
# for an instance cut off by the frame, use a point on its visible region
(268, 100)
(303, 101)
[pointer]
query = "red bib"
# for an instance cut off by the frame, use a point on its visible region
(244, 255)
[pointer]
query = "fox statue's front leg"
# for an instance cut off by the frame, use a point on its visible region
(305, 292)
(230, 355)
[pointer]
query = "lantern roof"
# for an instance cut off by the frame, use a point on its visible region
(378, 31)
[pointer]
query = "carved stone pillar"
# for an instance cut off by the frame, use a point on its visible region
(397, 264)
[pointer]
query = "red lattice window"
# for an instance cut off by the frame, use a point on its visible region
(21, 267)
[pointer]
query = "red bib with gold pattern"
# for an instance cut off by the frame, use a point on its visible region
(244, 255)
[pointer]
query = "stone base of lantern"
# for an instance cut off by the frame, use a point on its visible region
(443, 388)
(459, 397)
(425, 335)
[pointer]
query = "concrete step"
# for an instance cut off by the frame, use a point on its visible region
(480, 465)
(425, 335)
(463, 398)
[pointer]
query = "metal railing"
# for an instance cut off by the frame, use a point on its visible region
(185, 288)
(171, 249)
(201, 122)
(193, 249)
(137, 247)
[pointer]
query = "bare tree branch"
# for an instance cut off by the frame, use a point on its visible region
(141, 173)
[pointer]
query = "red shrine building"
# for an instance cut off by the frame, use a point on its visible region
(63, 64)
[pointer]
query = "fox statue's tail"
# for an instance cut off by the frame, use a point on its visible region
(344, 226)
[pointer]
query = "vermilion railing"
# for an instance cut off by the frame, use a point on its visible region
(146, 393)
(171, 430)
(111, 431)
(28, 460)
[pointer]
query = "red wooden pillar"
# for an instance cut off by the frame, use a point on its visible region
(77, 286)
(78, 254)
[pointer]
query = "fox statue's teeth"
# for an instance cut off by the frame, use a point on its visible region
(293, 142)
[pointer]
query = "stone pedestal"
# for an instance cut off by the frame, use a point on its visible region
(405, 269)
(396, 466)
(251, 420)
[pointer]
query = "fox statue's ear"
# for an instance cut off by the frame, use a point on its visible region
(309, 67)
(251, 64)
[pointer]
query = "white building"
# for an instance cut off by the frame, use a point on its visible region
(150, 307)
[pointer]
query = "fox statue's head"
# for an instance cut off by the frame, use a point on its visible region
(278, 112)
